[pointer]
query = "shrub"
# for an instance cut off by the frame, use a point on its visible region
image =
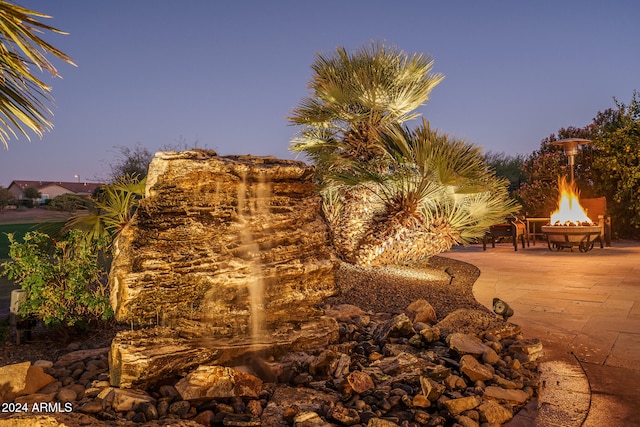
(63, 280)
(69, 202)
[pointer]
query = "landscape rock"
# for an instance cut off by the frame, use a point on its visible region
(527, 350)
(474, 370)
(360, 381)
(22, 378)
(501, 395)
(475, 322)
(218, 382)
(467, 344)
(431, 389)
(189, 239)
(457, 406)
(123, 400)
(421, 311)
(79, 356)
(397, 382)
(210, 230)
(398, 326)
(494, 413)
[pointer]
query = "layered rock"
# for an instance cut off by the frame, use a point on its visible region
(209, 228)
(220, 248)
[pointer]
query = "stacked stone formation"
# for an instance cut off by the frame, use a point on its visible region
(185, 254)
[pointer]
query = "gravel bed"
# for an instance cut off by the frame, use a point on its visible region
(391, 290)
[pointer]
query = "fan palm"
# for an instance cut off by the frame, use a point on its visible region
(23, 96)
(391, 195)
(354, 97)
(436, 192)
(113, 208)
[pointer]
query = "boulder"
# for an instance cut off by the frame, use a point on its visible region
(421, 311)
(224, 256)
(20, 379)
(218, 382)
(210, 227)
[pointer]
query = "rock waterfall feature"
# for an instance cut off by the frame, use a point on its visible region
(225, 256)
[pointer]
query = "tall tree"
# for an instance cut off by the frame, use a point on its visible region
(23, 96)
(542, 168)
(616, 164)
(130, 162)
(507, 166)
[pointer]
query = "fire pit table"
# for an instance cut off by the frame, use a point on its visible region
(569, 236)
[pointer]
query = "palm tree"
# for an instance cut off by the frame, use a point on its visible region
(23, 96)
(436, 192)
(391, 195)
(354, 97)
(112, 209)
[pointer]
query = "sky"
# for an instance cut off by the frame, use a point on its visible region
(224, 75)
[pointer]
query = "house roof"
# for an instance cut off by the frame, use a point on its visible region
(74, 187)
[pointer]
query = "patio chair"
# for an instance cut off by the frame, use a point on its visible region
(514, 227)
(596, 210)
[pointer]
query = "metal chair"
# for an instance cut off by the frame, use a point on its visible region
(514, 228)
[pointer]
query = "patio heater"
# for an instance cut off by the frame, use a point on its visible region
(570, 146)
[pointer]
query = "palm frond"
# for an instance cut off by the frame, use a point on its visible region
(112, 210)
(23, 96)
(355, 95)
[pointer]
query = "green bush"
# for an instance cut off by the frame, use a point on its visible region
(69, 202)
(63, 280)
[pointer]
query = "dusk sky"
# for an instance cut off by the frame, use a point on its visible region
(226, 74)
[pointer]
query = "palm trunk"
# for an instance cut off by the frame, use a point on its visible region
(403, 239)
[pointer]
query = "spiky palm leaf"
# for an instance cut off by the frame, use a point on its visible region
(112, 210)
(355, 96)
(23, 96)
(436, 192)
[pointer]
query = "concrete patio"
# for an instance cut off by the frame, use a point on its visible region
(585, 307)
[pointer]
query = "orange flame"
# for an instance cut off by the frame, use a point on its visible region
(569, 212)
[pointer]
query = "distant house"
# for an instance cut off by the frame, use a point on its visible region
(51, 189)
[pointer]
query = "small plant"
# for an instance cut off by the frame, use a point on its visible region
(63, 280)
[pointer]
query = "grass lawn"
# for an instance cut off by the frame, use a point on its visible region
(19, 230)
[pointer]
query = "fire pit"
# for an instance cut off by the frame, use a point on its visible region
(569, 225)
(568, 236)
